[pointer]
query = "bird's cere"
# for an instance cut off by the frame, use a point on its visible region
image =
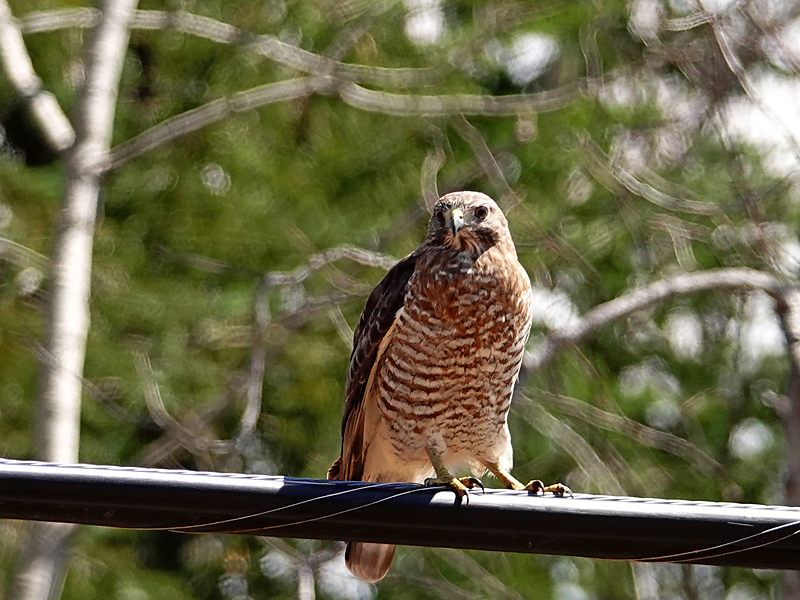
(456, 220)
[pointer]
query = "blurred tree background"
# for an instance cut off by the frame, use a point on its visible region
(628, 142)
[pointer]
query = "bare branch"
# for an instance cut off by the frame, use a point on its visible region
(43, 106)
(478, 574)
(430, 585)
(89, 387)
(466, 104)
(732, 60)
(205, 115)
(508, 198)
(330, 77)
(62, 18)
(571, 442)
(602, 167)
(279, 51)
(342, 328)
(789, 316)
(671, 287)
(789, 412)
(202, 263)
(355, 95)
(223, 33)
(591, 53)
(196, 425)
(258, 361)
(690, 21)
(158, 411)
(737, 68)
(297, 317)
(21, 256)
(681, 242)
(316, 262)
(428, 176)
(641, 433)
(258, 354)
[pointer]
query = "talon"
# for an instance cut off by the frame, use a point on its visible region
(460, 485)
(438, 482)
(535, 486)
(559, 489)
(473, 482)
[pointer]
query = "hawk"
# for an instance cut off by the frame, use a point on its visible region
(436, 354)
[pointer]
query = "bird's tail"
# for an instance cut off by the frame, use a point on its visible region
(369, 561)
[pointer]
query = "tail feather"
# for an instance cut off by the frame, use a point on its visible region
(368, 561)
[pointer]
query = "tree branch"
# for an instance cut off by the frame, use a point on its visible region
(21, 256)
(224, 33)
(258, 360)
(690, 21)
(465, 104)
(352, 94)
(317, 261)
(737, 68)
(643, 434)
(158, 412)
(671, 287)
(43, 106)
(468, 132)
(429, 173)
(202, 116)
(570, 442)
(600, 165)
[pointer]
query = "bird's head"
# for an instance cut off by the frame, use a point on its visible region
(467, 221)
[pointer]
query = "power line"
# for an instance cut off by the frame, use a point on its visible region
(586, 525)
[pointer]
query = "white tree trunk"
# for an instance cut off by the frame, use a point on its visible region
(41, 564)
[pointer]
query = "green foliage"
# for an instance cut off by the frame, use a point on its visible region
(188, 229)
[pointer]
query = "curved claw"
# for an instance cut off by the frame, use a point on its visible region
(559, 489)
(460, 485)
(535, 486)
(472, 482)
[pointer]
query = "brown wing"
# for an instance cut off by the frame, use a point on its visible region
(379, 314)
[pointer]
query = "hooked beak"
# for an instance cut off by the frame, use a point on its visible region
(456, 220)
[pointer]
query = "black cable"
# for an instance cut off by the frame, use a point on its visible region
(584, 525)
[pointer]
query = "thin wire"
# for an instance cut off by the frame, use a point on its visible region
(693, 554)
(300, 503)
(311, 519)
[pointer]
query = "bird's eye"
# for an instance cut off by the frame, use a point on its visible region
(481, 212)
(440, 216)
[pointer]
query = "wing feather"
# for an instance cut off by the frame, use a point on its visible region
(379, 314)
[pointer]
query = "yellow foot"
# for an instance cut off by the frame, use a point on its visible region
(535, 486)
(460, 485)
(559, 489)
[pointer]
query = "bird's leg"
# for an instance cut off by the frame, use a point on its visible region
(535, 485)
(460, 485)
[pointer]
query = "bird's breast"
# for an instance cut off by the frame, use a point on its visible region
(454, 352)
